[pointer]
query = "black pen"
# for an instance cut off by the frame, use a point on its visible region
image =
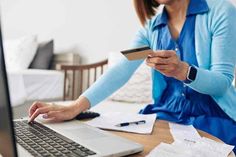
(129, 123)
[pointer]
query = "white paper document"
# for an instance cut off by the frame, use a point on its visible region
(165, 150)
(184, 132)
(110, 120)
(188, 143)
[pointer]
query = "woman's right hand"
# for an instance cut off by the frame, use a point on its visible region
(56, 112)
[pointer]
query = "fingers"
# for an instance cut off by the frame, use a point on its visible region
(164, 69)
(162, 57)
(34, 107)
(57, 116)
(165, 61)
(55, 113)
(40, 110)
(51, 114)
(162, 53)
(158, 60)
(159, 67)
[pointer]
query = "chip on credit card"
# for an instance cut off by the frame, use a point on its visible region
(137, 53)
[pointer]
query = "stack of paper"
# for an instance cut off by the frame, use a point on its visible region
(188, 143)
(110, 120)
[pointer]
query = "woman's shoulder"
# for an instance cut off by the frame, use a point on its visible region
(221, 6)
(220, 13)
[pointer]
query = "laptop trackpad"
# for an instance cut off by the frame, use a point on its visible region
(85, 133)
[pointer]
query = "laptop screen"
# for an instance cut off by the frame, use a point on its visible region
(7, 144)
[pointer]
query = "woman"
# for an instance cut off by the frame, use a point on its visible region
(193, 60)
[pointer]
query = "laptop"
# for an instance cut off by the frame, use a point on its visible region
(69, 139)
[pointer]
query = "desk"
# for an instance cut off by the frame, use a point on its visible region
(161, 133)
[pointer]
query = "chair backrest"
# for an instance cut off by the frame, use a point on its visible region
(81, 77)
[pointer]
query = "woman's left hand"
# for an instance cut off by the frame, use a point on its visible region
(168, 63)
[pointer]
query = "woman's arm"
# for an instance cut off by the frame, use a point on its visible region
(219, 77)
(112, 80)
(118, 75)
(107, 84)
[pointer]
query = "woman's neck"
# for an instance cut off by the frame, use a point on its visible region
(177, 9)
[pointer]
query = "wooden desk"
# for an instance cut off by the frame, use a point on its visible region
(161, 133)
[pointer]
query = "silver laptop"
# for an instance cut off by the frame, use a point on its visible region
(70, 139)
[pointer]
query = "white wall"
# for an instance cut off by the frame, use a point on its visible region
(91, 28)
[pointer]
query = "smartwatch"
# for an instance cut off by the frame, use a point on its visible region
(191, 75)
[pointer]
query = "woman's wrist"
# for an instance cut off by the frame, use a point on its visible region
(80, 105)
(183, 71)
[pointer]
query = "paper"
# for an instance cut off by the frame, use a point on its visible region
(110, 120)
(184, 132)
(188, 143)
(216, 148)
(204, 147)
(165, 150)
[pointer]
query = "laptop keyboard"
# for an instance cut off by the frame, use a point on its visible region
(39, 140)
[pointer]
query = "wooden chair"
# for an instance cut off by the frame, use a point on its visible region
(81, 77)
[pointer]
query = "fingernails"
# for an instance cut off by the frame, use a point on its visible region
(45, 116)
(29, 120)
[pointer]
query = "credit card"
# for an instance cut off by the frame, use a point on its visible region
(137, 53)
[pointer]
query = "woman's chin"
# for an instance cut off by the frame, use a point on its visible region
(164, 1)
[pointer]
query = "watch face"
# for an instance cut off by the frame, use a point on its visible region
(192, 73)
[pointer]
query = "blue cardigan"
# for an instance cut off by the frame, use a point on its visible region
(215, 42)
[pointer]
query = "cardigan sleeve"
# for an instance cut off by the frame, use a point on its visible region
(218, 79)
(116, 76)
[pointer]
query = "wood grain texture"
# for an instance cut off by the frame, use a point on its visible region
(161, 133)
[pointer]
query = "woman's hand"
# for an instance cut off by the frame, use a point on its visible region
(58, 113)
(168, 63)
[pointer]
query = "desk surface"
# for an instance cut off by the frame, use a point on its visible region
(161, 133)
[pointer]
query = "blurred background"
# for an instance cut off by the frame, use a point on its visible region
(91, 28)
(40, 36)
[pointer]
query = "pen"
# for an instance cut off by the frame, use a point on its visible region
(129, 123)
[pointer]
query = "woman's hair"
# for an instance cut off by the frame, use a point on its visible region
(145, 9)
